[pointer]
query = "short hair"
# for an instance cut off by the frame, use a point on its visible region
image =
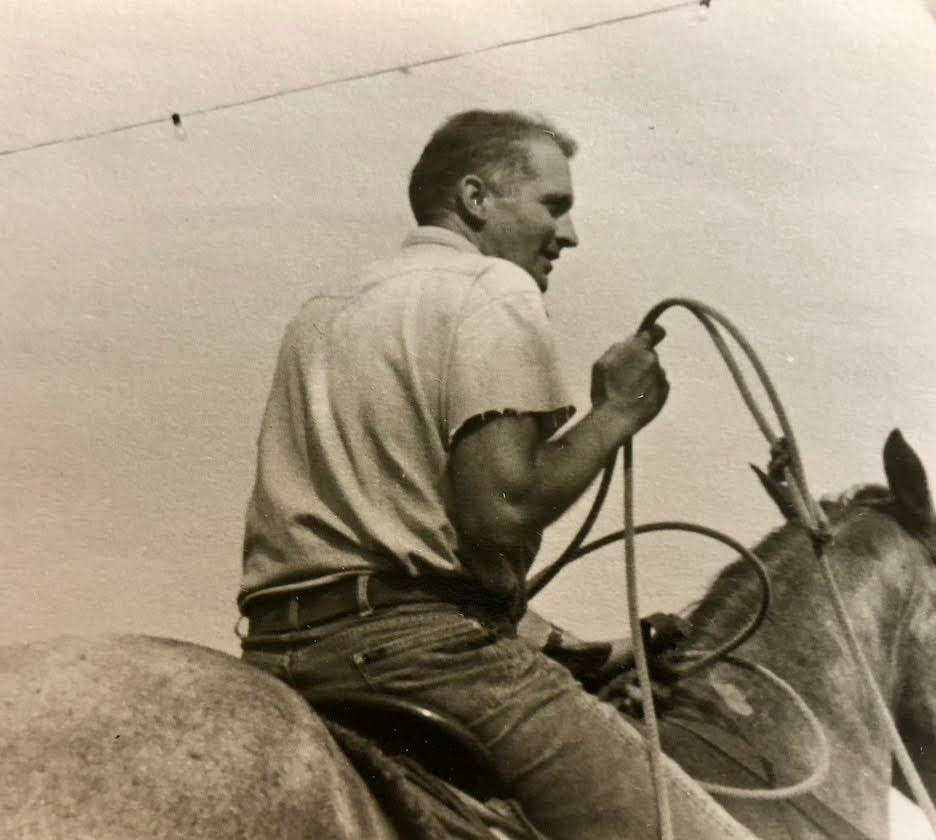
(489, 144)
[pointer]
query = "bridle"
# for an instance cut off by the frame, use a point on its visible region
(786, 480)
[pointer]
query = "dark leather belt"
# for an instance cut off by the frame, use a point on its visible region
(355, 594)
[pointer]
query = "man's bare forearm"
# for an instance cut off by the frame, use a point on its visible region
(510, 484)
(506, 506)
(562, 469)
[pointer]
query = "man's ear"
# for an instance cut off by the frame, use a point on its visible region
(471, 195)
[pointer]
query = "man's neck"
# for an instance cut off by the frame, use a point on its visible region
(453, 222)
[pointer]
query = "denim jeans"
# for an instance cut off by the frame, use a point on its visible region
(575, 765)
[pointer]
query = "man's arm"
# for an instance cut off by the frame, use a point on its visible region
(510, 483)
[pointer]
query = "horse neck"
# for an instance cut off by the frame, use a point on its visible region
(802, 641)
(801, 635)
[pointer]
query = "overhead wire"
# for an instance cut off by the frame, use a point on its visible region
(404, 67)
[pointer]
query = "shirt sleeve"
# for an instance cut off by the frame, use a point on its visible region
(503, 362)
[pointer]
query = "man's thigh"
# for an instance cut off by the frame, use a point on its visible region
(578, 768)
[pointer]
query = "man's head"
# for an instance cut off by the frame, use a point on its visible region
(501, 179)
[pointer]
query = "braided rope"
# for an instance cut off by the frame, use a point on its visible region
(811, 514)
(811, 517)
(652, 734)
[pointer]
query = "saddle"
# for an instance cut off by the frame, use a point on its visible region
(434, 778)
(438, 743)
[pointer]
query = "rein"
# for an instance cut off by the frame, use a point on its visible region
(786, 463)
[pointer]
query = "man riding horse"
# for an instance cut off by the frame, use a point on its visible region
(409, 462)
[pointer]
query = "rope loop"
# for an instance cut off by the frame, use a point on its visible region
(818, 773)
(786, 470)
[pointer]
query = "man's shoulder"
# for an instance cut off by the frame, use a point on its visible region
(319, 307)
(463, 278)
(465, 282)
(441, 261)
(501, 278)
(483, 279)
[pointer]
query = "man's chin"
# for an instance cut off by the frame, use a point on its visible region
(541, 276)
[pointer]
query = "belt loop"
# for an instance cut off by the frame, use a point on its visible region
(363, 603)
(292, 614)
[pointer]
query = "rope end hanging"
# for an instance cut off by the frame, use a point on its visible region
(652, 733)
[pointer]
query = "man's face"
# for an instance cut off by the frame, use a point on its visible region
(531, 222)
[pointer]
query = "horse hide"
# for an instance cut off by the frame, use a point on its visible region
(132, 737)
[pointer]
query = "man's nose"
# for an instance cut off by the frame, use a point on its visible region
(565, 232)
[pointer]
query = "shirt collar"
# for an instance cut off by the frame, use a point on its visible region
(431, 235)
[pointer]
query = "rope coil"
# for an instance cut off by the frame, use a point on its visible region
(812, 518)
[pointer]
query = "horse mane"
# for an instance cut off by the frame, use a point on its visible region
(735, 588)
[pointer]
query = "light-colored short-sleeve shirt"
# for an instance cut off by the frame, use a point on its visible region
(371, 387)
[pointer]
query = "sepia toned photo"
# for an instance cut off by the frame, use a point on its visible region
(492, 420)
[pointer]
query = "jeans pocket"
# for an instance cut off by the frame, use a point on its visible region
(419, 656)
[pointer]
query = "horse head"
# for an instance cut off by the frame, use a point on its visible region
(915, 694)
(881, 554)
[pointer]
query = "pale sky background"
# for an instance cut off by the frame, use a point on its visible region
(774, 158)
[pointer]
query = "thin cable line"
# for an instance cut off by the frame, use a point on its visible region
(357, 77)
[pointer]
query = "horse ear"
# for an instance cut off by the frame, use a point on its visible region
(907, 480)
